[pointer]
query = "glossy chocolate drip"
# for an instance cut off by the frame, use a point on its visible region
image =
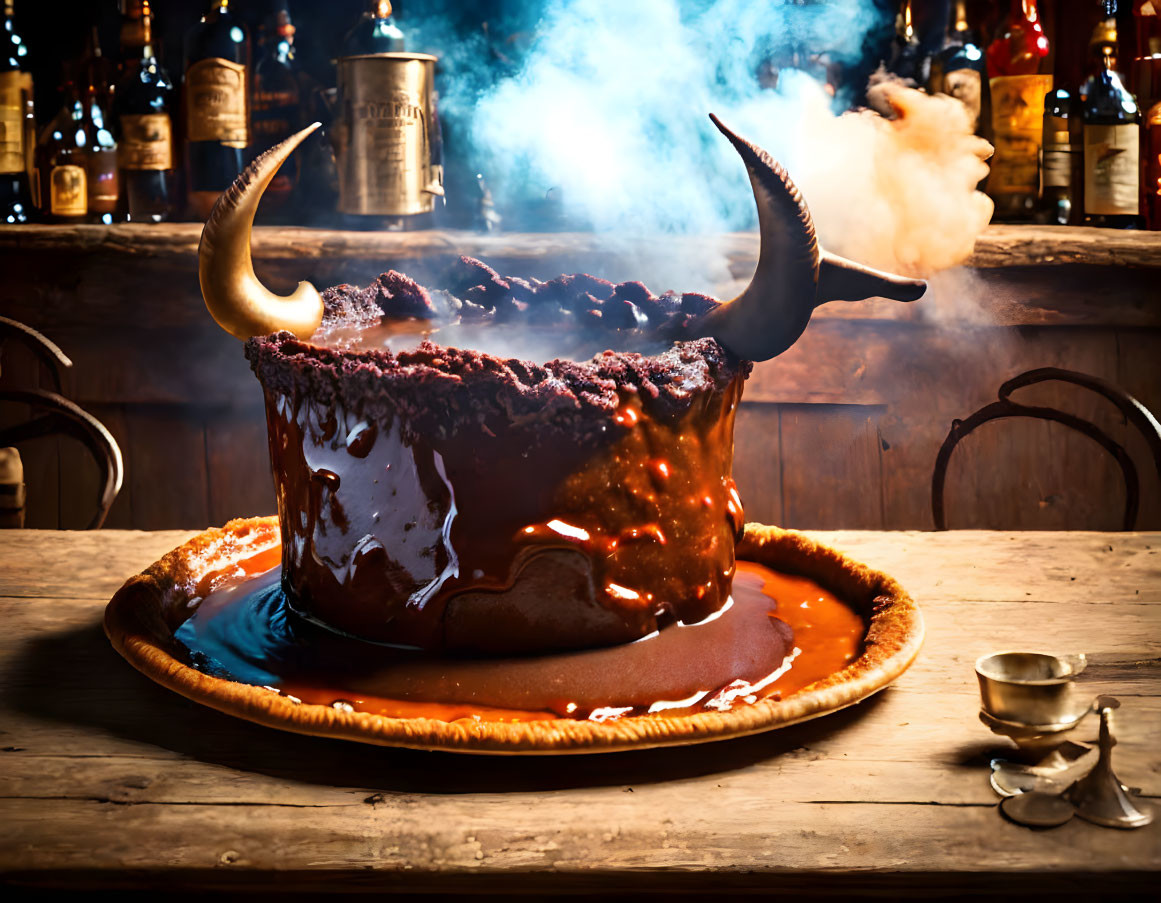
(446, 498)
(512, 538)
(244, 630)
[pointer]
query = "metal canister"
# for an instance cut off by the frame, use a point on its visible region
(386, 135)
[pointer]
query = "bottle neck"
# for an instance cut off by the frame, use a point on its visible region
(146, 31)
(1024, 16)
(380, 9)
(905, 25)
(959, 31)
(1102, 45)
(1106, 61)
(959, 23)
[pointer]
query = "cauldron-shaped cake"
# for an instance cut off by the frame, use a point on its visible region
(439, 497)
(481, 552)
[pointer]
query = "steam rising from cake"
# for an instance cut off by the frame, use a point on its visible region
(605, 113)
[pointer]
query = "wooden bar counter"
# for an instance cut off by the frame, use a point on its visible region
(840, 432)
(110, 782)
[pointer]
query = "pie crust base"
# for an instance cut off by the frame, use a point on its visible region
(142, 617)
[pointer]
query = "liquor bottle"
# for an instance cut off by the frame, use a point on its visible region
(103, 179)
(1017, 85)
(1145, 83)
(1062, 171)
(375, 32)
(1112, 124)
(61, 158)
(15, 106)
(143, 111)
(1147, 18)
(133, 37)
(908, 61)
(217, 105)
(958, 69)
(1151, 181)
(97, 71)
(276, 111)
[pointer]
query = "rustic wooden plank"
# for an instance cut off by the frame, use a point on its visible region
(997, 246)
(758, 461)
(166, 468)
(1028, 474)
(1101, 568)
(80, 476)
(1002, 246)
(1105, 277)
(830, 466)
(21, 369)
(930, 715)
(110, 779)
(1139, 374)
(238, 465)
(196, 364)
(408, 848)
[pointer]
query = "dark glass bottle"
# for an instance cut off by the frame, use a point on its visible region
(277, 104)
(15, 110)
(1112, 134)
(958, 68)
(217, 105)
(1062, 172)
(133, 37)
(96, 72)
(1018, 84)
(375, 32)
(907, 57)
(104, 181)
(61, 161)
(144, 120)
(1151, 178)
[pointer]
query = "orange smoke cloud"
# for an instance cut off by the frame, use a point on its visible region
(896, 192)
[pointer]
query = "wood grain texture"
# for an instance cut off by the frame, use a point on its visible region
(109, 780)
(758, 461)
(997, 246)
(127, 308)
(238, 464)
(831, 466)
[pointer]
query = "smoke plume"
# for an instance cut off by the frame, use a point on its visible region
(604, 109)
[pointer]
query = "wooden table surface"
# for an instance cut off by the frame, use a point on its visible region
(106, 780)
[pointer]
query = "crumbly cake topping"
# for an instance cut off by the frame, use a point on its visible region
(436, 386)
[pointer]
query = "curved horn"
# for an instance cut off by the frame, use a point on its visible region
(766, 319)
(794, 275)
(239, 303)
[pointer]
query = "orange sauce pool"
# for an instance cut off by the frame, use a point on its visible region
(827, 636)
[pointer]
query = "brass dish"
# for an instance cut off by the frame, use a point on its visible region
(142, 617)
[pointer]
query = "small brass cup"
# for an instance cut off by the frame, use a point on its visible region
(1032, 689)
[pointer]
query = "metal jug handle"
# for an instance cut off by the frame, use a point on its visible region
(1076, 663)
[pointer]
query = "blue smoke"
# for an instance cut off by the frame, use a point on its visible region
(602, 105)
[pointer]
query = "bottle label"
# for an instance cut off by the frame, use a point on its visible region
(1057, 166)
(216, 102)
(1111, 169)
(1017, 126)
(146, 142)
(964, 85)
(274, 115)
(68, 192)
(13, 86)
